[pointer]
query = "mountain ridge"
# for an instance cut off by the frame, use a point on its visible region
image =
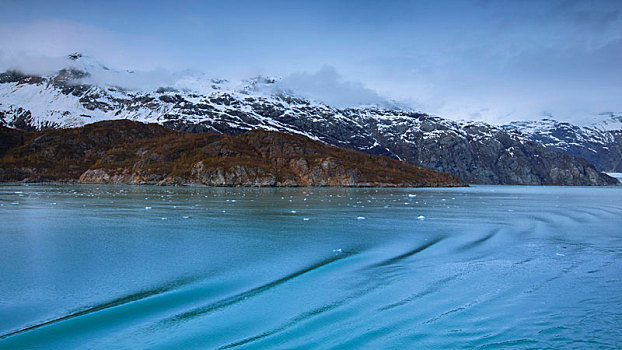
(475, 151)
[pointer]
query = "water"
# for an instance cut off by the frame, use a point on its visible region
(149, 267)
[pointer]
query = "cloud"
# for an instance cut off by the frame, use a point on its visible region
(328, 86)
(112, 59)
(40, 46)
(136, 80)
(31, 64)
(585, 15)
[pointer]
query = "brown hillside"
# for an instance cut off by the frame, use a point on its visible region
(130, 152)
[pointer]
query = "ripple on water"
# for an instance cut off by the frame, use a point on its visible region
(352, 268)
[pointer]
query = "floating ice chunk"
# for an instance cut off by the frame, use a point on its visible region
(420, 217)
(360, 218)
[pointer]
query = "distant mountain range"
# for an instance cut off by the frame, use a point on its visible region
(536, 152)
(600, 143)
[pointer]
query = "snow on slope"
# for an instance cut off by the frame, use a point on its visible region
(599, 142)
(562, 135)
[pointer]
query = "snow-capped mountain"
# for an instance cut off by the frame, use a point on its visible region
(599, 142)
(86, 92)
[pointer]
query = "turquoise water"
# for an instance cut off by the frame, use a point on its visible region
(106, 267)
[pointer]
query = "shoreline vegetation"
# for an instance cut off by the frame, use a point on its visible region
(128, 152)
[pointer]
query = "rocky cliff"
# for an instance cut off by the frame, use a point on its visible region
(134, 153)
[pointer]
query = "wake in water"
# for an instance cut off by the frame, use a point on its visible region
(488, 267)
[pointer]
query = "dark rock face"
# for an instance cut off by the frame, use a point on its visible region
(476, 152)
(481, 153)
(598, 145)
(10, 138)
(136, 153)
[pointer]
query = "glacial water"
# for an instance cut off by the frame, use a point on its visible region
(132, 267)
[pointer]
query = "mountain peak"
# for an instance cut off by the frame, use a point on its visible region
(74, 56)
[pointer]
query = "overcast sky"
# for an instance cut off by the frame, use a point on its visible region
(494, 60)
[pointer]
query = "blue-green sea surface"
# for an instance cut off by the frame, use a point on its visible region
(136, 267)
